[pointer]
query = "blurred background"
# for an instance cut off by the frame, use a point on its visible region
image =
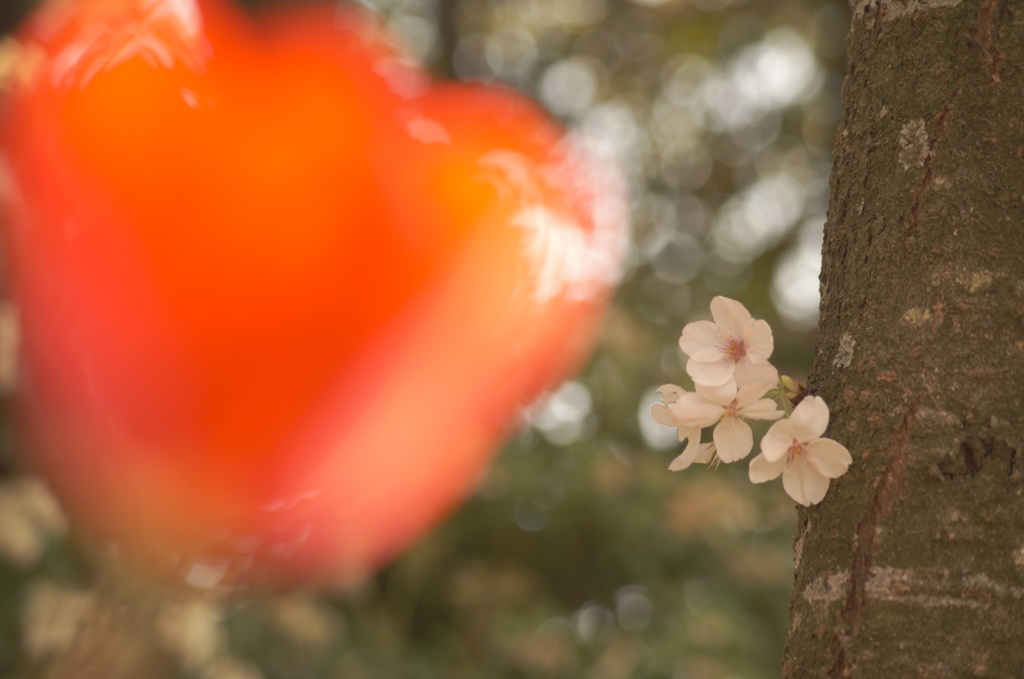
(579, 555)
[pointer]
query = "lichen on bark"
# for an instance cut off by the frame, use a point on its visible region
(913, 566)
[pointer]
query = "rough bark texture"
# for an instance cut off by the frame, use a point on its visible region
(913, 566)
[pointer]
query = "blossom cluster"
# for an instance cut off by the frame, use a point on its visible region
(734, 382)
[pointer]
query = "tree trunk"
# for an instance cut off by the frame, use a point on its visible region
(913, 566)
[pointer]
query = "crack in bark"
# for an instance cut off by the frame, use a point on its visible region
(976, 452)
(993, 58)
(867, 10)
(941, 118)
(863, 558)
(989, 51)
(973, 453)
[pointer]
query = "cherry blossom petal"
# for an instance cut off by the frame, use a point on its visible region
(762, 470)
(809, 419)
(662, 415)
(693, 411)
(696, 452)
(709, 355)
(749, 393)
(660, 412)
(731, 317)
(683, 460)
(747, 372)
(706, 453)
(759, 342)
(670, 392)
(763, 409)
(829, 458)
(721, 395)
(710, 374)
(699, 337)
(804, 484)
(777, 441)
(733, 439)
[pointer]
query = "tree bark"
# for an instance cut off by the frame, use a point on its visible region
(913, 565)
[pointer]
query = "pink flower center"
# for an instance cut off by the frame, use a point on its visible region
(734, 349)
(795, 452)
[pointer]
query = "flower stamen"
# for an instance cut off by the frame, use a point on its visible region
(796, 451)
(735, 349)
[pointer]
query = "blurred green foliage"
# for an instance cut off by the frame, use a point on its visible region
(579, 555)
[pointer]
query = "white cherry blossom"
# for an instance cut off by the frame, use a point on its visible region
(726, 406)
(795, 448)
(735, 345)
(695, 451)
